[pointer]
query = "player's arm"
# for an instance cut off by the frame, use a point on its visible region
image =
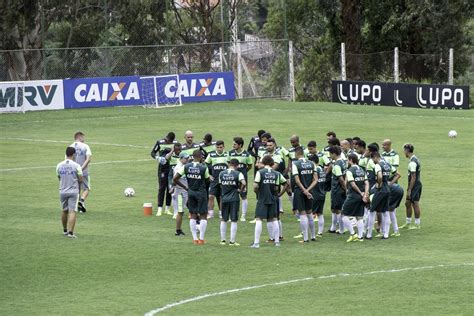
(365, 197)
(155, 149)
(284, 185)
(315, 179)
(412, 169)
(177, 176)
(251, 147)
(379, 177)
(88, 159)
(242, 183)
(80, 177)
(396, 177)
(350, 180)
(256, 182)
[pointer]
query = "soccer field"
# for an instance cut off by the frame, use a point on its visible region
(124, 263)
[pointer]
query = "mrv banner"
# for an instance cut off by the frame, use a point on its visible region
(20, 96)
(400, 94)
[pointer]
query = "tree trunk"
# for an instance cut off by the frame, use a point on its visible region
(350, 17)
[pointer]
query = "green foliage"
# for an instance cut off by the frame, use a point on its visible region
(123, 263)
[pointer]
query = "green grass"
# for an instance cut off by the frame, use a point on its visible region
(126, 263)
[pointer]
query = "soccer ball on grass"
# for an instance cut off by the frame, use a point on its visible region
(129, 192)
(452, 134)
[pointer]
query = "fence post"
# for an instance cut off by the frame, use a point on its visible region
(396, 75)
(239, 71)
(343, 62)
(221, 58)
(292, 71)
(451, 66)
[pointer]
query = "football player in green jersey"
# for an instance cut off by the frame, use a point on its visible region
(245, 164)
(232, 182)
(305, 176)
(338, 188)
(207, 145)
(197, 175)
(414, 188)
(396, 196)
(357, 196)
(389, 154)
(380, 200)
(216, 161)
(266, 184)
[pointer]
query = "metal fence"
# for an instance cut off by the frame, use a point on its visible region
(261, 67)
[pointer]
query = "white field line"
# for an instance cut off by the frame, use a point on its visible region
(201, 297)
(33, 140)
(92, 164)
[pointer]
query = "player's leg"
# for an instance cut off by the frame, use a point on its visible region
(311, 226)
(409, 213)
(234, 216)
(260, 212)
(304, 225)
(64, 213)
(370, 224)
(416, 195)
(180, 198)
(84, 188)
(168, 195)
(245, 204)
(210, 206)
(72, 201)
(203, 215)
(224, 219)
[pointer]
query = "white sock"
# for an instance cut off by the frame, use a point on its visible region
(290, 198)
(341, 224)
(370, 224)
(167, 208)
(223, 229)
(276, 231)
(233, 231)
(192, 225)
(417, 221)
(210, 213)
(258, 232)
(348, 224)
(360, 228)
(280, 204)
(385, 224)
(393, 219)
(280, 229)
(202, 231)
(333, 222)
(366, 218)
(160, 209)
(270, 230)
(245, 205)
(174, 202)
(304, 226)
(408, 220)
(311, 226)
(320, 224)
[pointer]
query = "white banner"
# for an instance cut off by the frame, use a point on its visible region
(20, 96)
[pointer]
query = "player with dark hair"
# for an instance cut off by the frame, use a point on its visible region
(255, 143)
(197, 175)
(160, 150)
(232, 182)
(414, 189)
(245, 164)
(338, 188)
(207, 145)
(380, 200)
(266, 184)
(357, 196)
(216, 161)
(70, 176)
(305, 177)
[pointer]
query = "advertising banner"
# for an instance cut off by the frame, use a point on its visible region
(401, 94)
(31, 95)
(102, 92)
(197, 87)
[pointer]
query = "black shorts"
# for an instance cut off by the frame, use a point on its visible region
(353, 206)
(380, 201)
(197, 202)
(337, 200)
(318, 206)
(415, 195)
(301, 202)
(215, 189)
(230, 209)
(396, 196)
(266, 211)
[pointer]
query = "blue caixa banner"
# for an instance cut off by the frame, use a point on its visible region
(101, 92)
(197, 87)
(135, 90)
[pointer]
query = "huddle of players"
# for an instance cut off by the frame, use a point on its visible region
(349, 170)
